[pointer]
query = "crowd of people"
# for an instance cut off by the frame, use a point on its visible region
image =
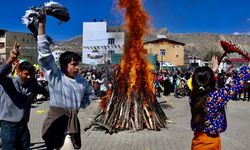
(69, 88)
(177, 81)
(172, 81)
(22, 83)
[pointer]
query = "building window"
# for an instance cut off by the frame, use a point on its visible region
(109, 62)
(111, 52)
(162, 52)
(111, 41)
(1, 45)
(95, 51)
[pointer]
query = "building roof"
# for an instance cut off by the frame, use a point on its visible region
(164, 40)
(2, 31)
(195, 57)
(236, 60)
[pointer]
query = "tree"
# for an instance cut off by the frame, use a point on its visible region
(212, 53)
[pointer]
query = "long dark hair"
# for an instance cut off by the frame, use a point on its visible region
(203, 82)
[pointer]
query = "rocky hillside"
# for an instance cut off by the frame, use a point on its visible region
(74, 44)
(196, 44)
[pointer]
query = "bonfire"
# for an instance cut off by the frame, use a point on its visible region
(132, 104)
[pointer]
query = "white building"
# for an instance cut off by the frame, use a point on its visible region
(99, 43)
(196, 61)
(57, 54)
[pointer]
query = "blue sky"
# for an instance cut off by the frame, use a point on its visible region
(178, 16)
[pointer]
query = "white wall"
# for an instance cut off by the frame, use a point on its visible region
(57, 54)
(95, 43)
(2, 39)
(199, 61)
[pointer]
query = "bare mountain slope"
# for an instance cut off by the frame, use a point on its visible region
(197, 44)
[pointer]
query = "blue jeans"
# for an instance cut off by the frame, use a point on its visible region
(175, 90)
(15, 136)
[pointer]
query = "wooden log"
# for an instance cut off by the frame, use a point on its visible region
(158, 120)
(127, 113)
(108, 107)
(146, 121)
(133, 124)
(124, 120)
(107, 128)
(119, 108)
(149, 118)
(161, 121)
(136, 114)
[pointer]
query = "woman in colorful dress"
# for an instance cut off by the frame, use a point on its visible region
(207, 105)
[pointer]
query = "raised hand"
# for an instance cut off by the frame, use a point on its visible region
(215, 64)
(41, 26)
(14, 53)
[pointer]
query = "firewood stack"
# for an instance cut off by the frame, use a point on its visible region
(132, 104)
(135, 112)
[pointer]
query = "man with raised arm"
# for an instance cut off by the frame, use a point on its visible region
(68, 90)
(16, 95)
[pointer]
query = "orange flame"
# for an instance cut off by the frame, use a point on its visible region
(135, 71)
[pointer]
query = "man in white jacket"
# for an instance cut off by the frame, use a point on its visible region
(68, 90)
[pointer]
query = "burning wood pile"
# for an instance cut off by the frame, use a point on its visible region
(132, 104)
